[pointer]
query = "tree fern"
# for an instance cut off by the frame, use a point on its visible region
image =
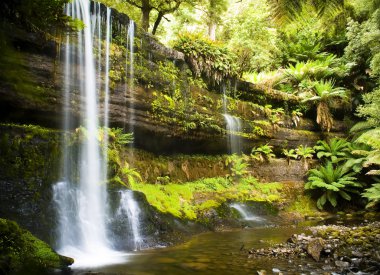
(262, 153)
(289, 10)
(289, 154)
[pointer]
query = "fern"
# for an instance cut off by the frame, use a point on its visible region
(371, 138)
(335, 150)
(289, 154)
(332, 182)
(373, 195)
(262, 153)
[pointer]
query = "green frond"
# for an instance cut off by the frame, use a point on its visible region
(331, 197)
(362, 126)
(371, 138)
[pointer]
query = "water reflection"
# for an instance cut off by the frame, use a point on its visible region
(214, 253)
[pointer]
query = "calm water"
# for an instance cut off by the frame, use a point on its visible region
(214, 253)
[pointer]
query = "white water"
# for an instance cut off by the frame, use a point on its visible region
(128, 207)
(81, 196)
(245, 213)
(233, 127)
(130, 74)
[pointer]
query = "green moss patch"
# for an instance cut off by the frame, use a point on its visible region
(20, 250)
(192, 199)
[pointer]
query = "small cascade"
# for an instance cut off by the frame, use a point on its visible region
(233, 127)
(129, 208)
(245, 213)
(81, 195)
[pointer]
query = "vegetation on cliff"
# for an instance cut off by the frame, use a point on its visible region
(21, 252)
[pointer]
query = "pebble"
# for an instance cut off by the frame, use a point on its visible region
(342, 264)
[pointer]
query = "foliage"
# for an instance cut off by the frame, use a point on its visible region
(334, 150)
(180, 111)
(118, 138)
(296, 117)
(373, 195)
(130, 174)
(162, 7)
(323, 94)
(21, 252)
(363, 46)
(42, 16)
(238, 166)
(332, 183)
(262, 153)
(371, 138)
(309, 34)
(248, 32)
(207, 57)
(305, 153)
(288, 10)
(291, 153)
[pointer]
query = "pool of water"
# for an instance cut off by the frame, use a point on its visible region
(214, 253)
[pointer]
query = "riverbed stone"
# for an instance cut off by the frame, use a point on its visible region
(315, 247)
(342, 264)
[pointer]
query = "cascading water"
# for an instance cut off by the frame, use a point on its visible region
(245, 213)
(81, 196)
(130, 74)
(233, 127)
(128, 207)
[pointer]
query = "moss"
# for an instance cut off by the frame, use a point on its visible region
(192, 199)
(304, 205)
(30, 153)
(20, 250)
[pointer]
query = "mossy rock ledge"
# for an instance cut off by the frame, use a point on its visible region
(23, 253)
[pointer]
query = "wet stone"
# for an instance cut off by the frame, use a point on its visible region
(342, 264)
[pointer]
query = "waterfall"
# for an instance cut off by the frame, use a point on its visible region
(233, 127)
(130, 74)
(245, 213)
(128, 207)
(81, 195)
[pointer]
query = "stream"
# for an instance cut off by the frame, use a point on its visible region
(214, 253)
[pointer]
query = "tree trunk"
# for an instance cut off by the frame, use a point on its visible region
(212, 30)
(146, 9)
(157, 23)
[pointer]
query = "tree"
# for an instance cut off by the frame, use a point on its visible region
(248, 32)
(324, 93)
(214, 10)
(305, 153)
(162, 7)
(41, 16)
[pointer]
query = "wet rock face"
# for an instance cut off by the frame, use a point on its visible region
(29, 166)
(338, 248)
(40, 101)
